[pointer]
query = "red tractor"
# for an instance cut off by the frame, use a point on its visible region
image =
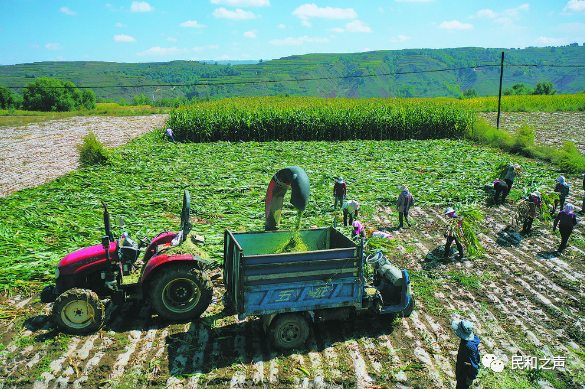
(176, 285)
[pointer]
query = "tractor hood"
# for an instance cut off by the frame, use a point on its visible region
(80, 258)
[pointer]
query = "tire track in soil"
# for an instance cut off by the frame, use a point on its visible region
(523, 309)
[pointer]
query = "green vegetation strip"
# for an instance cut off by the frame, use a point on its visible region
(144, 183)
(308, 118)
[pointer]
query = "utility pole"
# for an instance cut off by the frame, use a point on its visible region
(500, 94)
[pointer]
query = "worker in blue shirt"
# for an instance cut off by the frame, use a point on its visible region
(468, 356)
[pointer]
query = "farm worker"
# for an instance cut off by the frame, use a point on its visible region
(468, 356)
(339, 191)
(566, 220)
(451, 234)
(511, 176)
(405, 201)
(501, 189)
(350, 208)
(169, 132)
(359, 229)
(563, 190)
(534, 203)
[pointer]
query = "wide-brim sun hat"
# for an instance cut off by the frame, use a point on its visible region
(449, 210)
(463, 329)
(404, 188)
(340, 180)
(536, 194)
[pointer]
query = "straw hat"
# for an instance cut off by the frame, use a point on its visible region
(463, 329)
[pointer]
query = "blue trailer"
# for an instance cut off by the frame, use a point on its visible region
(289, 290)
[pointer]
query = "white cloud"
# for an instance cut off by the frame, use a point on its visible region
(162, 51)
(357, 26)
(250, 34)
(575, 5)
(297, 41)
(544, 41)
(400, 38)
(141, 6)
(306, 11)
(206, 47)
(243, 3)
(124, 38)
(515, 12)
(68, 11)
(571, 28)
(53, 46)
(306, 23)
(281, 26)
(238, 14)
(120, 25)
(486, 14)
(456, 25)
(171, 39)
(337, 29)
(192, 23)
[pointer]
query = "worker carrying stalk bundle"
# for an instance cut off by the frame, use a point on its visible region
(528, 208)
(453, 232)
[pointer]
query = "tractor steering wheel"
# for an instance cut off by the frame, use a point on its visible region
(144, 241)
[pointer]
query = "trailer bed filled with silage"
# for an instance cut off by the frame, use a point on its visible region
(261, 279)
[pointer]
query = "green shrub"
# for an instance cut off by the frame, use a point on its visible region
(92, 151)
(569, 159)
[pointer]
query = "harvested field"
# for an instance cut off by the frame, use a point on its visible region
(552, 128)
(526, 301)
(38, 153)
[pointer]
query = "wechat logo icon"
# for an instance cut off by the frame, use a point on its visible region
(492, 362)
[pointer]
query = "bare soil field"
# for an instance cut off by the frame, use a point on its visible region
(525, 300)
(552, 128)
(35, 154)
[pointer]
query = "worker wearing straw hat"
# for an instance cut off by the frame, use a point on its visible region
(468, 356)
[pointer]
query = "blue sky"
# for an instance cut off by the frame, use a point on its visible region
(159, 31)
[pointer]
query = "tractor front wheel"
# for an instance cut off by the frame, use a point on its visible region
(289, 331)
(78, 311)
(181, 293)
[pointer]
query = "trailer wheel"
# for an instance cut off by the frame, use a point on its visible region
(409, 308)
(181, 293)
(289, 331)
(78, 311)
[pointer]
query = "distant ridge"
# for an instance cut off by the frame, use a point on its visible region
(392, 73)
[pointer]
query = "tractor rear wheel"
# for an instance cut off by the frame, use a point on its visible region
(289, 331)
(181, 293)
(78, 311)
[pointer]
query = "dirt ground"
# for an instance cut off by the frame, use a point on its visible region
(525, 300)
(38, 153)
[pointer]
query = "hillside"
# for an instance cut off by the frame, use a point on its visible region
(399, 73)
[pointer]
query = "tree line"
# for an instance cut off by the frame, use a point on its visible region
(53, 95)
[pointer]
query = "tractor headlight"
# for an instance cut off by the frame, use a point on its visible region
(57, 272)
(409, 289)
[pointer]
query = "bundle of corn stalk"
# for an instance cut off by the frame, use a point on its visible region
(542, 212)
(463, 228)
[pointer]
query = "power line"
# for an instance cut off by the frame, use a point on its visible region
(301, 79)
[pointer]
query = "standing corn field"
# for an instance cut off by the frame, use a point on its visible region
(307, 119)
